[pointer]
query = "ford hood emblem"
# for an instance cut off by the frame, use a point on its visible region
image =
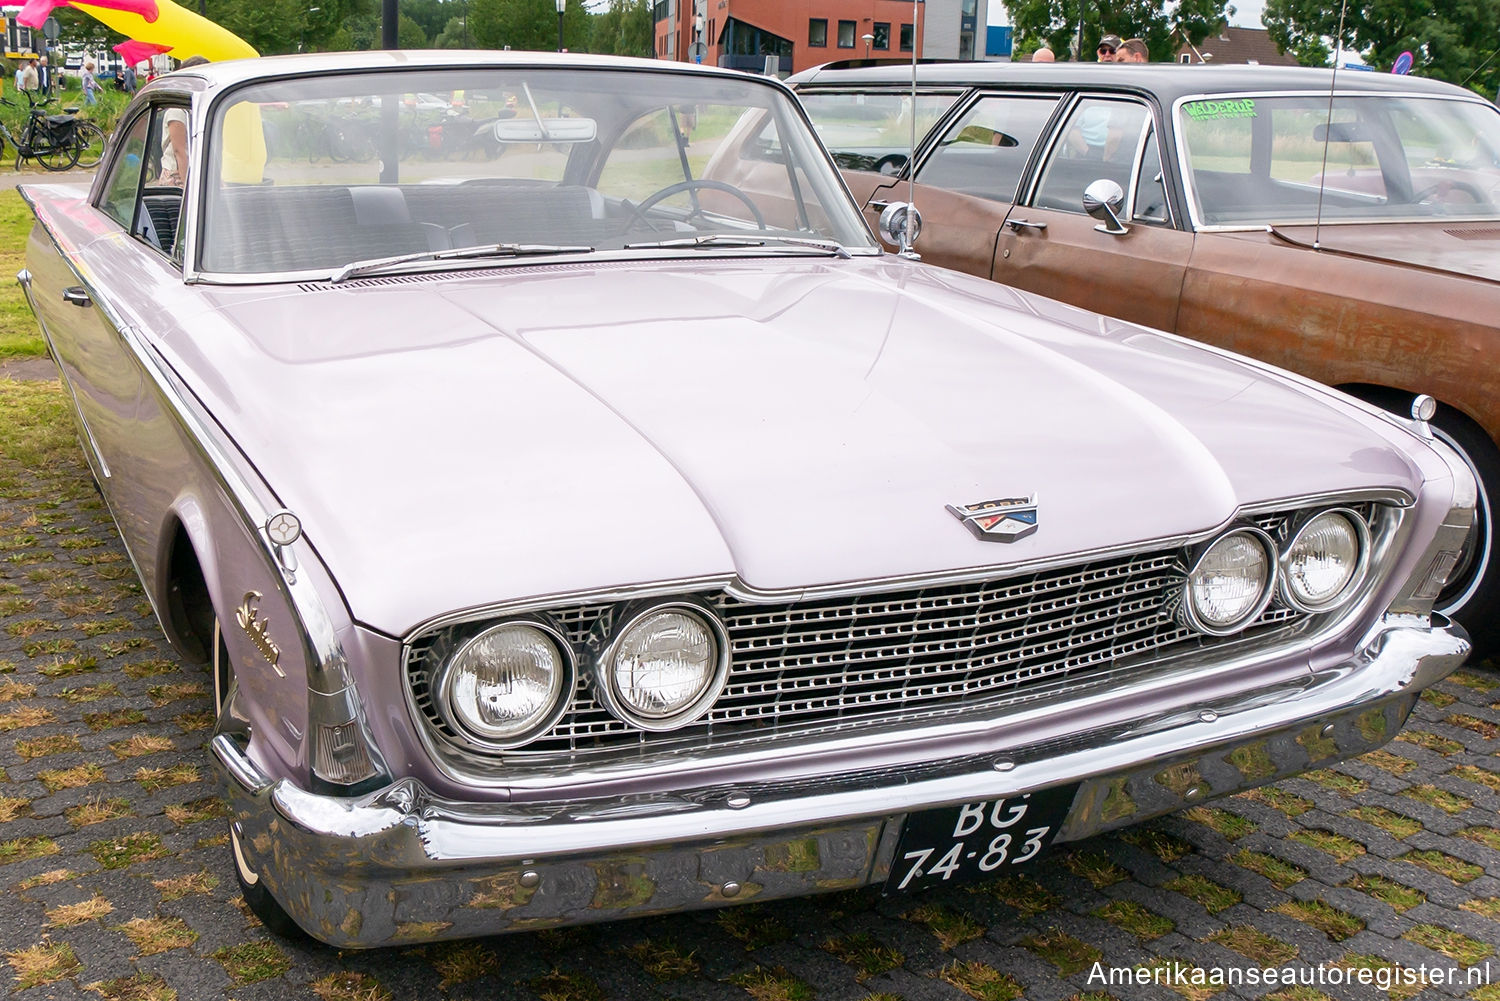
(1003, 520)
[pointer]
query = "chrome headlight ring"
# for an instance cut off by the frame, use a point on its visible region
(1188, 611)
(605, 677)
(560, 694)
(1356, 578)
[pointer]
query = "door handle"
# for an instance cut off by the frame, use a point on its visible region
(78, 296)
(1020, 224)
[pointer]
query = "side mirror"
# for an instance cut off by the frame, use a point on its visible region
(1103, 200)
(900, 225)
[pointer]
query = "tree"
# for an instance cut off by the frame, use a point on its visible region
(1056, 22)
(455, 35)
(279, 26)
(527, 24)
(1448, 41)
(624, 28)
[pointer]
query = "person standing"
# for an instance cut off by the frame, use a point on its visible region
(90, 83)
(44, 77)
(1108, 46)
(27, 78)
(1043, 55)
(1133, 50)
(127, 79)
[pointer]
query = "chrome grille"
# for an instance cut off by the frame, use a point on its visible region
(916, 653)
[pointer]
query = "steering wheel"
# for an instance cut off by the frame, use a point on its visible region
(1442, 189)
(890, 164)
(693, 185)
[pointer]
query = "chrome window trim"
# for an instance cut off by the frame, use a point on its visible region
(1153, 136)
(1038, 167)
(202, 114)
(1190, 194)
(1356, 580)
(928, 145)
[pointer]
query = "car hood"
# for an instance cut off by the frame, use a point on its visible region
(1471, 249)
(459, 441)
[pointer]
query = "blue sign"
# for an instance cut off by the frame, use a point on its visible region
(998, 40)
(1403, 64)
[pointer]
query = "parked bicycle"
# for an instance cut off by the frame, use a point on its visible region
(57, 142)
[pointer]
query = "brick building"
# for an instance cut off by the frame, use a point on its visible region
(740, 34)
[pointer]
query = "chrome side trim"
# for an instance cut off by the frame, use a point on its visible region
(330, 683)
(23, 278)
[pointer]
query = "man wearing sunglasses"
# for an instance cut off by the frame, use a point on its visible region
(1108, 46)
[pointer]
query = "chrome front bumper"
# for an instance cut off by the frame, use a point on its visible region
(402, 865)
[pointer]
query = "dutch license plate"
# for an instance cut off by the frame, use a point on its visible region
(958, 844)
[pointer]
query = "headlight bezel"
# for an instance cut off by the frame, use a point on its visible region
(440, 687)
(1190, 613)
(603, 673)
(1356, 580)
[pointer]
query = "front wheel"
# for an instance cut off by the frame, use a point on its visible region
(88, 140)
(257, 897)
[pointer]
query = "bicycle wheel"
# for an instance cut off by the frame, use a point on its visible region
(56, 156)
(88, 140)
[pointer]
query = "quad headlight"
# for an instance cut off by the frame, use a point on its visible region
(1236, 576)
(665, 667)
(1231, 582)
(505, 685)
(1326, 561)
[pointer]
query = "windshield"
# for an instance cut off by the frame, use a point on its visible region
(358, 167)
(1260, 159)
(872, 131)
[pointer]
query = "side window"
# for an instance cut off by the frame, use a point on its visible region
(984, 153)
(1099, 140)
(124, 184)
(144, 191)
(1150, 201)
(872, 131)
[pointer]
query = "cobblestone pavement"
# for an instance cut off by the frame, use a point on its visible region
(115, 878)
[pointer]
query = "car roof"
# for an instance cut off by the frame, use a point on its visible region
(236, 71)
(1167, 81)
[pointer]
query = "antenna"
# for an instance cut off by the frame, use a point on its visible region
(911, 159)
(1338, 49)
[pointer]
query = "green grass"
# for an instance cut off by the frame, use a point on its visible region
(19, 336)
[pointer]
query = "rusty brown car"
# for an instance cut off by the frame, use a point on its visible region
(1352, 240)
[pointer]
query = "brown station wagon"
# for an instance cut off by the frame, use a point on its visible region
(1354, 241)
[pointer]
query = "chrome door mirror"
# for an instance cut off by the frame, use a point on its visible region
(1103, 200)
(900, 225)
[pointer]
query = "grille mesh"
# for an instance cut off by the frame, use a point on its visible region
(920, 652)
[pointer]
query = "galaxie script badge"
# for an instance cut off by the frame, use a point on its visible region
(1003, 520)
(247, 615)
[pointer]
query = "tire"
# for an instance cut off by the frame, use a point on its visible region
(257, 897)
(88, 140)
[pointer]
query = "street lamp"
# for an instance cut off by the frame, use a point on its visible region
(561, 5)
(868, 38)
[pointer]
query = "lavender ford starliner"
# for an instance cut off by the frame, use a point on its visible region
(573, 535)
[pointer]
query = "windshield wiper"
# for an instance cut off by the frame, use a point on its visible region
(461, 253)
(711, 240)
